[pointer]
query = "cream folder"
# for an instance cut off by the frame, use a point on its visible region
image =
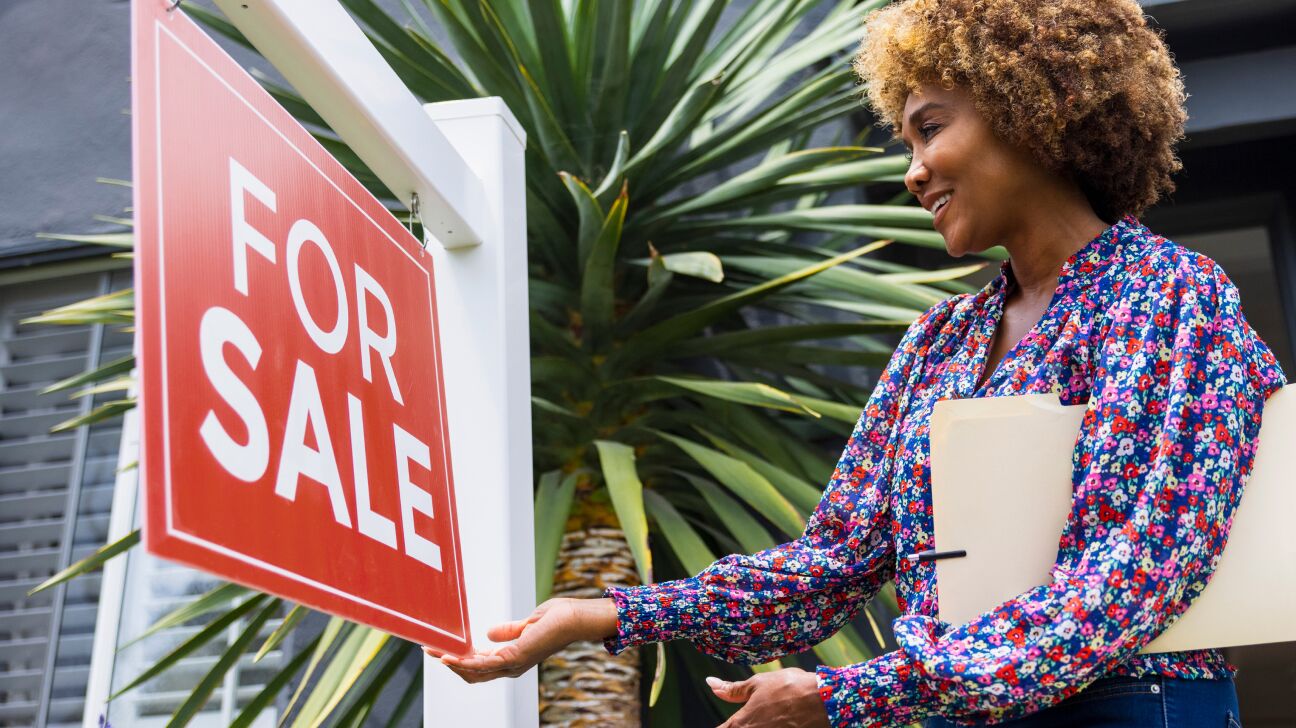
(1001, 490)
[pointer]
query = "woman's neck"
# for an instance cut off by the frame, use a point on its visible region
(1046, 237)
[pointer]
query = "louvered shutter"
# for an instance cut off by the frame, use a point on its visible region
(55, 495)
(56, 498)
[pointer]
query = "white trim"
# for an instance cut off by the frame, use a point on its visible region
(112, 590)
(330, 61)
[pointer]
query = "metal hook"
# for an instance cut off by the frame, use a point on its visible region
(174, 5)
(414, 212)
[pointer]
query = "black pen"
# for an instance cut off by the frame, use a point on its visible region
(930, 555)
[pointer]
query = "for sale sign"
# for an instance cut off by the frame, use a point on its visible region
(294, 424)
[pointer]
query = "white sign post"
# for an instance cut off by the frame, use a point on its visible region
(482, 304)
(465, 161)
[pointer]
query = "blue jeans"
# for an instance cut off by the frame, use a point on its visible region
(1151, 701)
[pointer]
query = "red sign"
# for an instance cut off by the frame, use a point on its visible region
(294, 424)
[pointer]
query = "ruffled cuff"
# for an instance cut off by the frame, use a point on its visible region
(655, 613)
(882, 692)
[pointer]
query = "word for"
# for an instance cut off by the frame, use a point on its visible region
(250, 461)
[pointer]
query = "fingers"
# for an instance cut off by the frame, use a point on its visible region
(509, 630)
(471, 676)
(507, 660)
(512, 630)
(476, 662)
(482, 668)
(731, 692)
(480, 662)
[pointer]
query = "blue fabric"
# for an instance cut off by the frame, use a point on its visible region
(1152, 336)
(1151, 701)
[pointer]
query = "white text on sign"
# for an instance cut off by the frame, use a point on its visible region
(250, 461)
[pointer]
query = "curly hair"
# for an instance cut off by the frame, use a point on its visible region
(1085, 86)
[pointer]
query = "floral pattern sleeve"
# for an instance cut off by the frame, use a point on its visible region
(755, 608)
(1179, 384)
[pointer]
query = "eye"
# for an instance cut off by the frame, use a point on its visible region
(925, 131)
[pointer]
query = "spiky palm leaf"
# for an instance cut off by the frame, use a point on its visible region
(677, 327)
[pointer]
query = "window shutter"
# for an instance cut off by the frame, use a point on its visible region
(55, 494)
(56, 501)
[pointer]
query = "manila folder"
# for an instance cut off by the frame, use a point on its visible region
(1001, 474)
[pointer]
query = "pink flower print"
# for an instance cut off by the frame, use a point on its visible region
(1146, 330)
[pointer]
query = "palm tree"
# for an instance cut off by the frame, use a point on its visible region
(691, 343)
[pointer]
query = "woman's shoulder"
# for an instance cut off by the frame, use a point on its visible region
(1156, 267)
(1170, 290)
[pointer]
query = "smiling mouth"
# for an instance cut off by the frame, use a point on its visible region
(937, 212)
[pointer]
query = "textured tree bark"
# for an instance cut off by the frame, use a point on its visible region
(583, 685)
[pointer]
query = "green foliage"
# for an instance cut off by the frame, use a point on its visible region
(91, 562)
(679, 327)
(553, 501)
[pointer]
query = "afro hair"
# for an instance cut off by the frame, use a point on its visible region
(1086, 86)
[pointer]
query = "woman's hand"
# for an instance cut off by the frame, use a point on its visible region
(785, 698)
(551, 627)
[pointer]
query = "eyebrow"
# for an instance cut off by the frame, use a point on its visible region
(919, 112)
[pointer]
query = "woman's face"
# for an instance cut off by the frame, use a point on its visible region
(989, 182)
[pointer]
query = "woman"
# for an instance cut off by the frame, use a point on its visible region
(1044, 126)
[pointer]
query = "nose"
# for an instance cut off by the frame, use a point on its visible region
(916, 176)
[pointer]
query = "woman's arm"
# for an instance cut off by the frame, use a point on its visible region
(1165, 448)
(755, 608)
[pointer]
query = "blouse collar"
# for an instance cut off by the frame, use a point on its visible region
(1090, 262)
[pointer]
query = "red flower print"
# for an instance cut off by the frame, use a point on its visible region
(1152, 336)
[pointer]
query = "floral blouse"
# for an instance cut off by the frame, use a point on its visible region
(1152, 337)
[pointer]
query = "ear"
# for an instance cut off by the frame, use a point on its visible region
(732, 692)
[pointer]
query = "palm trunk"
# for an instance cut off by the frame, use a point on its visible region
(583, 685)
